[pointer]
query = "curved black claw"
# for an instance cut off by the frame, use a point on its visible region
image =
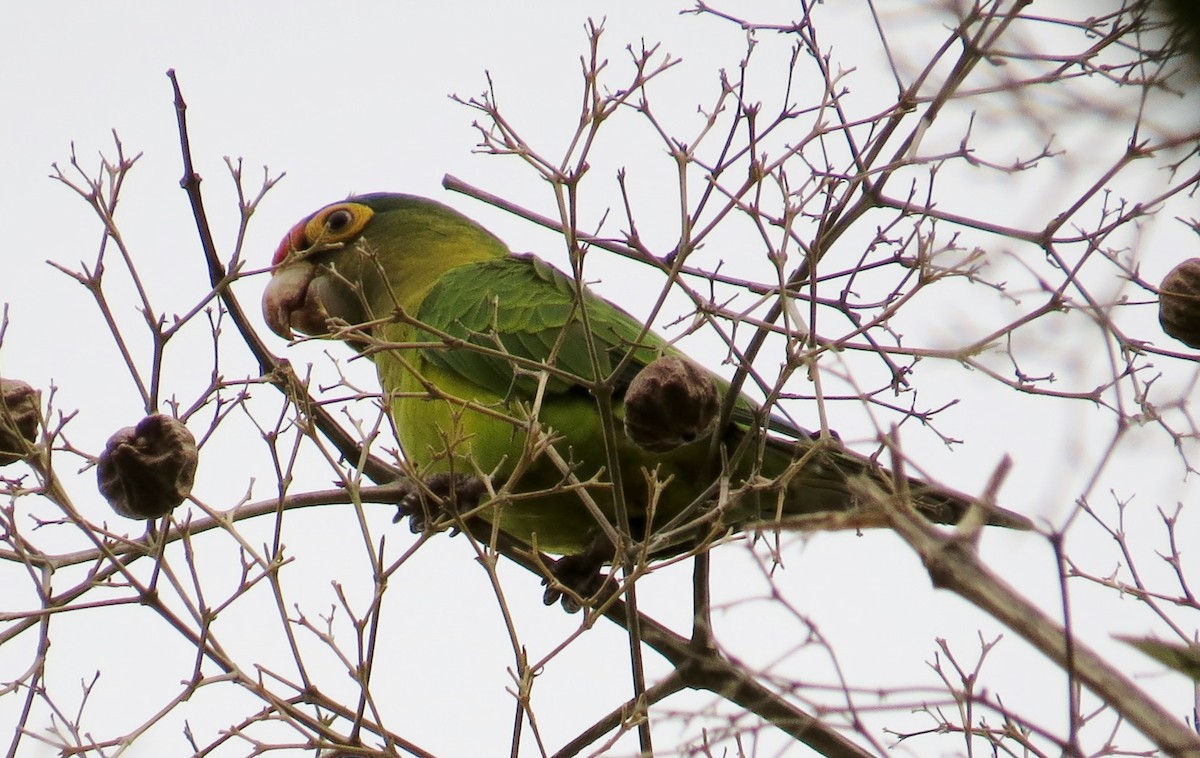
(581, 575)
(440, 495)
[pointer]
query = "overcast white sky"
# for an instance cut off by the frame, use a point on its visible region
(353, 98)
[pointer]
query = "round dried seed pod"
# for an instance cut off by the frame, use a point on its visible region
(147, 470)
(20, 411)
(1179, 303)
(670, 403)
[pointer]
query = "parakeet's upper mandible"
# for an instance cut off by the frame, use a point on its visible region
(476, 347)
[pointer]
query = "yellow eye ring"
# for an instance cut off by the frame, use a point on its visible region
(337, 223)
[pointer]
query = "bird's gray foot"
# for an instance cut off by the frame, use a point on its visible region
(579, 576)
(441, 495)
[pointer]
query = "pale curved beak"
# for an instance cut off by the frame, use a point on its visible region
(285, 297)
(303, 297)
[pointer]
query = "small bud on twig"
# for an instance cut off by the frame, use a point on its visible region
(1179, 303)
(670, 403)
(148, 470)
(19, 415)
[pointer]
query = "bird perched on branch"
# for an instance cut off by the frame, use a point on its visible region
(523, 399)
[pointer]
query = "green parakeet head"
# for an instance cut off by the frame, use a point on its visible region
(358, 259)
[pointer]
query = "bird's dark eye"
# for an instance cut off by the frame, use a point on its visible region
(339, 220)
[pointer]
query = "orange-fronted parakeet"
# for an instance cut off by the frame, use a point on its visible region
(472, 342)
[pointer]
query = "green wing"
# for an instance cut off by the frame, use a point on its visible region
(523, 307)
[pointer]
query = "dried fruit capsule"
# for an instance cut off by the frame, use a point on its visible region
(148, 470)
(19, 414)
(1179, 303)
(670, 403)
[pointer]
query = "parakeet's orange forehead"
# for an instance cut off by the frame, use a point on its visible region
(292, 241)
